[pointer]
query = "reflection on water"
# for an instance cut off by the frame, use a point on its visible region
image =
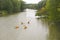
(35, 30)
(54, 31)
(30, 13)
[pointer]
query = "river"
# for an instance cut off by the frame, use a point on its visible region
(36, 29)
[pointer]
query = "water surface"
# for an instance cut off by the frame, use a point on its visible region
(36, 29)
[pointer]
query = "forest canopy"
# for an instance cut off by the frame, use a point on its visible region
(11, 6)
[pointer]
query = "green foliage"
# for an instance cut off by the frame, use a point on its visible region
(22, 5)
(51, 6)
(41, 12)
(4, 13)
(41, 8)
(41, 4)
(12, 6)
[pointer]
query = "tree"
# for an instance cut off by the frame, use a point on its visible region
(41, 4)
(51, 7)
(22, 5)
(12, 6)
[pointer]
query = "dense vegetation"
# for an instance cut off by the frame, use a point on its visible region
(11, 6)
(41, 8)
(51, 9)
(41, 4)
